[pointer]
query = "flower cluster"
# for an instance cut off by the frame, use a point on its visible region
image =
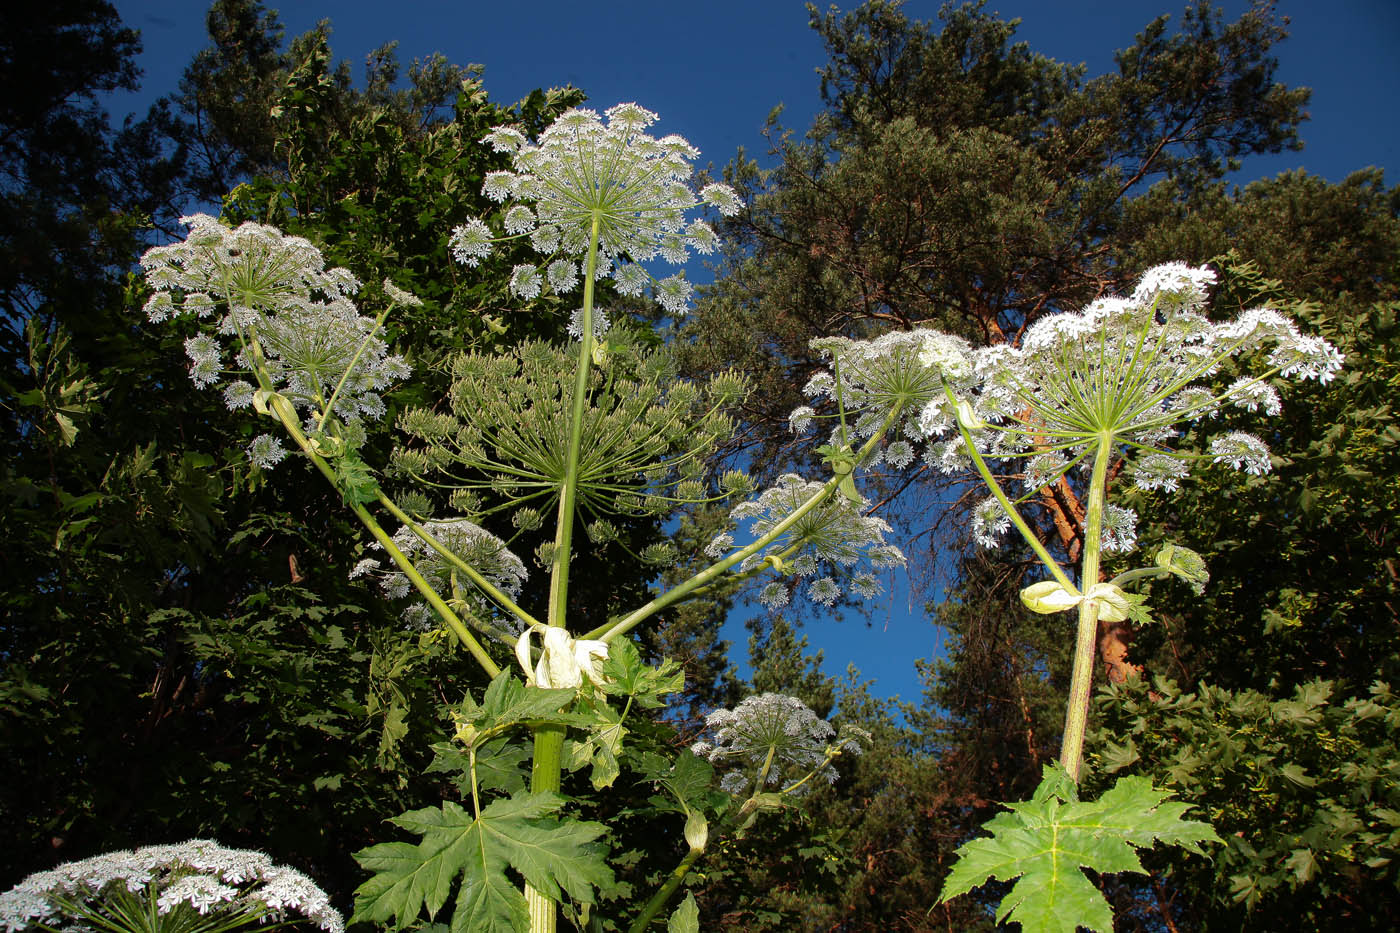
(477, 547)
(1130, 370)
(589, 178)
(283, 316)
(825, 543)
(238, 886)
(867, 379)
(772, 740)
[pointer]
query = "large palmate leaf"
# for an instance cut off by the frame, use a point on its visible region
(1046, 840)
(516, 832)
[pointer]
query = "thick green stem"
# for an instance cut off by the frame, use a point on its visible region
(568, 495)
(1082, 678)
(985, 472)
(549, 739)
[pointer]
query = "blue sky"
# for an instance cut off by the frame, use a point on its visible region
(714, 71)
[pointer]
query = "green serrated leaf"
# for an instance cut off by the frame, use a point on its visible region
(624, 675)
(356, 479)
(1046, 841)
(686, 917)
(500, 765)
(687, 779)
(519, 833)
(508, 702)
(1137, 610)
(601, 748)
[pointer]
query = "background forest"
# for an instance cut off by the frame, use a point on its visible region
(185, 655)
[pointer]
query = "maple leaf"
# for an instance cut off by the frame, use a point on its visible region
(517, 832)
(1047, 840)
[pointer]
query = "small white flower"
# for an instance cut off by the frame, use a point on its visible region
(631, 280)
(1254, 394)
(1159, 471)
(601, 324)
(400, 297)
(989, 522)
(1176, 284)
(363, 567)
(505, 139)
(722, 198)
(562, 275)
(498, 185)
(673, 293)
(899, 454)
(471, 242)
(800, 421)
(473, 544)
(238, 394)
(774, 595)
(768, 728)
(200, 891)
(866, 585)
(823, 591)
(719, 546)
(519, 219)
(1119, 531)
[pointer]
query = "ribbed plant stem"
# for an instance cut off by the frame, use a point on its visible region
(1082, 677)
(291, 422)
(549, 740)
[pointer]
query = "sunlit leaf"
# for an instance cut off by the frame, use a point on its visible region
(1046, 841)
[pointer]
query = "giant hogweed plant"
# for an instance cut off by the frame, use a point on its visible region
(598, 433)
(1082, 398)
(1092, 395)
(591, 436)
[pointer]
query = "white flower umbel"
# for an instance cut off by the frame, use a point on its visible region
(1110, 387)
(774, 741)
(286, 320)
(597, 176)
(200, 886)
(1124, 376)
(834, 537)
(475, 546)
(869, 378)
